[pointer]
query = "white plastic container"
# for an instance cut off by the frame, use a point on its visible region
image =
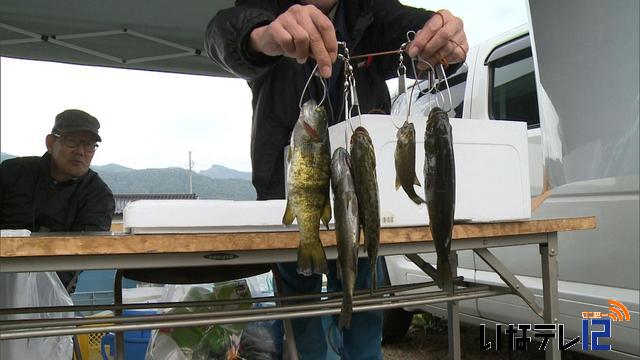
(492, 169)
(492, 184)
(200, 216)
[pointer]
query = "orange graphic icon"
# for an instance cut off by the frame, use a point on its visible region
(619, 311)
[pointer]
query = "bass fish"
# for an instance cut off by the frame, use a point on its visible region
(345, 209)
(440, 189)
(405, 161)
(309, 171)
(363, 161)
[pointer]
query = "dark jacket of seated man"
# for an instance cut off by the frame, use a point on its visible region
(57, 192)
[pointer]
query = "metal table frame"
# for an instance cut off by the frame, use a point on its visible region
(384, 298)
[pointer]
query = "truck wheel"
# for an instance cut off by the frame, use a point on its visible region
(395, 324)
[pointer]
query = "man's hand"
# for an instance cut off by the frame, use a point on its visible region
(302, 31)
(441, 40)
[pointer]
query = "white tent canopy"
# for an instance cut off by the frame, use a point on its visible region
(158, 35)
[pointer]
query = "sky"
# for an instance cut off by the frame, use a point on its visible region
(153, 120)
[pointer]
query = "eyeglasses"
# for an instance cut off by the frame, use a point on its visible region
(73, 142)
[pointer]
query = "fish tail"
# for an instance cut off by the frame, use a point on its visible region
(311, 258)
(346, 312)
(415, 197)
(446, 277)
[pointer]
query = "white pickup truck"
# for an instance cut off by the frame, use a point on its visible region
(499, 82)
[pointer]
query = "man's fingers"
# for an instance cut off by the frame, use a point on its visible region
(300, 38)
(327, 32)
(424, 35)
(282, 39)
(441, 40)
(316, 46)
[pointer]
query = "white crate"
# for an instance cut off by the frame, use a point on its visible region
(492, 169)
(492, 184)
(200, 216)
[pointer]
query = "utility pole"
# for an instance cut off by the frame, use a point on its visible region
(190, 177)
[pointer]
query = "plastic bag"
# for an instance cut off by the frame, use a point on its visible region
(34, 289)
(227, 341)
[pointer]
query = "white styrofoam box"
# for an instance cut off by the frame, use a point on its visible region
(197, 216)
(492, 183)
(492, 169)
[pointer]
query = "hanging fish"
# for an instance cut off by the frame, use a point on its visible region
(440, 189)
(307, 184)
(363, 161)
(345, 210)
(405, 161)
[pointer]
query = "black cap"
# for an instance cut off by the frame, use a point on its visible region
(76, 120)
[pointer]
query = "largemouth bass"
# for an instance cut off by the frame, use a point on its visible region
(309, 169)
(405, 161)
(345, 210)
(440, 189)
(363, 161)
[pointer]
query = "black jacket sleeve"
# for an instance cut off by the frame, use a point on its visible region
(95, 208)
(227, 37)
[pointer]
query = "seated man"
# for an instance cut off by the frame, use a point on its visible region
(58, 191)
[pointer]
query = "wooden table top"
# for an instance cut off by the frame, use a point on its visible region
(122, 243)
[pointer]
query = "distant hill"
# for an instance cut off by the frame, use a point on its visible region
(110, 168)
(5, 156)
(223, 184)
(176, 180)
(221, 172)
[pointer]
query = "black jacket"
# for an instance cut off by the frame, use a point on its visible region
(277, 82)
(31, 199)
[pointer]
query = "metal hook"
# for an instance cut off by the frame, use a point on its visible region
(401, 71)
(306, 85)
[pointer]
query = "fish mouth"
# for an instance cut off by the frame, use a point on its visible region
(361, 130)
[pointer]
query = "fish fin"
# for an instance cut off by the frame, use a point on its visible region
(311, 258)
(326, 213)
(416, 198)
(416, 181)
(346, 312)
(397, 182)
(289, 215)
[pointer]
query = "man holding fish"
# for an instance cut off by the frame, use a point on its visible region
(275, 45)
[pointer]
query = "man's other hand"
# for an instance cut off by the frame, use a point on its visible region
(441, 40)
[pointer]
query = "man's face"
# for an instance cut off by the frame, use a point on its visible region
(323, 5)
(71, 154)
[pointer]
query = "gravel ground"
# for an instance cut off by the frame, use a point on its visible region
(431, 344)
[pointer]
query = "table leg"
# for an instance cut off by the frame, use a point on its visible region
(117, 300)
(289, 337)
(549, 259)
(453, 317)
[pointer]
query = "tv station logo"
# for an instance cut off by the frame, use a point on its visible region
(596, 328)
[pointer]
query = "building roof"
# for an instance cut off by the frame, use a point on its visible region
(123, 199)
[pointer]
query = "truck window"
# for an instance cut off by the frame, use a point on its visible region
(439, 96)
(513, 88)
(457, 83)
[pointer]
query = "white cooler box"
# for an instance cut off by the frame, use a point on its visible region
(492, 169)
(492, 183)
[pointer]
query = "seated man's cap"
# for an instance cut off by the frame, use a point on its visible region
(76, 120)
